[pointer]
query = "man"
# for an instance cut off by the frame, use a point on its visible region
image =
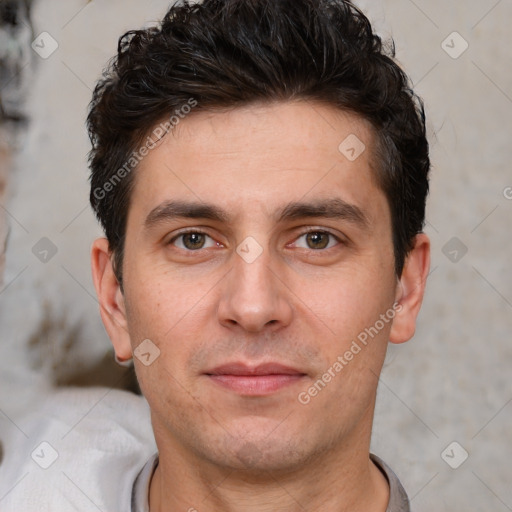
(260, 169)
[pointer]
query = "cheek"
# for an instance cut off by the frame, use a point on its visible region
(160, 300)
(169, 321)
(359, 316)
(172, 314)
(349, 302)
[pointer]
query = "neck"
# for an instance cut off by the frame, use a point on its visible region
(342, 480)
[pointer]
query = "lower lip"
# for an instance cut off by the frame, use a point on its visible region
(256, 385)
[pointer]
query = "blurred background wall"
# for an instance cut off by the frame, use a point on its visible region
(443, 415)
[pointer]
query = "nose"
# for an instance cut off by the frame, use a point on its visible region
(254, 296)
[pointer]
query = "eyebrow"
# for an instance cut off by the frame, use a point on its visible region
(334, 208)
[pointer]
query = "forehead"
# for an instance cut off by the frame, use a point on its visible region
(259, 157)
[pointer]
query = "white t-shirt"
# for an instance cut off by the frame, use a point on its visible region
(92, 449)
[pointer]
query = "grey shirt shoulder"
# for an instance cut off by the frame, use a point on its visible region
(398, 500)
(140, 492)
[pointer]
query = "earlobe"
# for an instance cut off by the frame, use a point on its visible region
(110, 297)
(410, 290)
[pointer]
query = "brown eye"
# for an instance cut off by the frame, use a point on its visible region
(317, 240)
(192, 241)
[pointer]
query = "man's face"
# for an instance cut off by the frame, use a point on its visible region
(249, 313)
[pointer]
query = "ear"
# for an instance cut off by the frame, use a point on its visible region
(410, 290)
(111, 299)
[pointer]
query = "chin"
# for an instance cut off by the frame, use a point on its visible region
(262, 451)
(256, 458)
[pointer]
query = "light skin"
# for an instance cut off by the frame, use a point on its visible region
(229, 443)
